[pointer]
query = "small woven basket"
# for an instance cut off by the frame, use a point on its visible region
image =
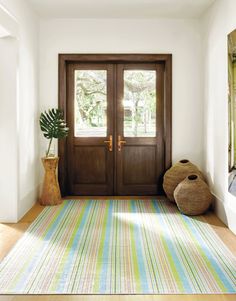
(177, 173)
(193, 196)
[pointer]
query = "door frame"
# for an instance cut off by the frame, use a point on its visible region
(65, 59)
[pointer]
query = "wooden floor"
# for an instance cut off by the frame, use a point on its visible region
(10, 233)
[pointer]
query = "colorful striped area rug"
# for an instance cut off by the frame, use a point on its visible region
(118, 247)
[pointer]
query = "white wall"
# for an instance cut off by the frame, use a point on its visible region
(27, 107)
(8, 129)
(179, 37)
(217, 23)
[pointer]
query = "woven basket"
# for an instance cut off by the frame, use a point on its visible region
(193, 196)
(176, 174)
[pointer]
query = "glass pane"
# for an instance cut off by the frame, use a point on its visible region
(90, 103)
(139, 103)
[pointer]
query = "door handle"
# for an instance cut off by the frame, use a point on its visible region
(110, 143)
(120, 142)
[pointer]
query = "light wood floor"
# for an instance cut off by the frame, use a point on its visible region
(10, 233)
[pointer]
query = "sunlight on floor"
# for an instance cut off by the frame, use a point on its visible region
(139, 220)
(9, 233)
(154, 225)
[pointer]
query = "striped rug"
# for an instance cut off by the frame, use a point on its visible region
(118, 247)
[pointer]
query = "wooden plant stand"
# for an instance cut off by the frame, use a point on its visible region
(51, 194)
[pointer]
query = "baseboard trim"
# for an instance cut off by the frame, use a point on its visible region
(226, 213)
(28, 202)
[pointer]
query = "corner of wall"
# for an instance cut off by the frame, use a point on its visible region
(215, 28)
(226, 213)
(27, 107)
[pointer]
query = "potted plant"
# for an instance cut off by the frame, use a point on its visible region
(53, 126)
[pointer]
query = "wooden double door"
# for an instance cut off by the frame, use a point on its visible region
(116, 143)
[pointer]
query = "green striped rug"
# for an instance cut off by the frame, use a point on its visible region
(118, 247)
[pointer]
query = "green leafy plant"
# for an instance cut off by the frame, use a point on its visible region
(53, 125)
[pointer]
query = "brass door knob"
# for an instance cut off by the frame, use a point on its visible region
(120, 142)
(110, 143)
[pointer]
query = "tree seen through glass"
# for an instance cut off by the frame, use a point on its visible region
(90, 103)
(139, 103)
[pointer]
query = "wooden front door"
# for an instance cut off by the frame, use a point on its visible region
(140, 154)
(90, 112)
(116, 114)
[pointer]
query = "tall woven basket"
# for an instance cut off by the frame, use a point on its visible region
(177, 173)
(193, 196)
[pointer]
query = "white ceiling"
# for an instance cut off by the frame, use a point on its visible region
(120, 8)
